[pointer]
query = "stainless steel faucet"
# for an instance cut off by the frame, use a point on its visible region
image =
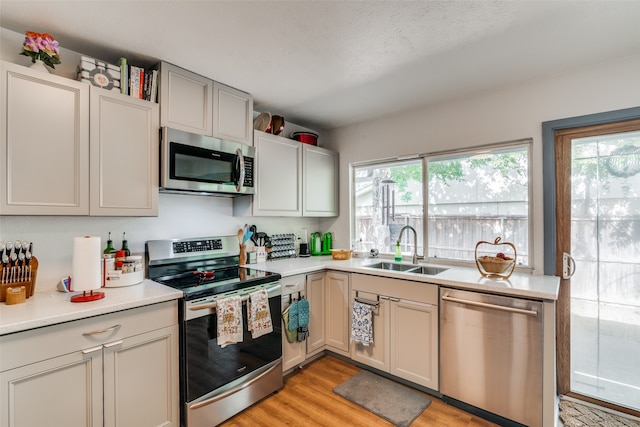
(415, 241)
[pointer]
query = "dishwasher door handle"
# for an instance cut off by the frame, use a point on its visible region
(491, 306)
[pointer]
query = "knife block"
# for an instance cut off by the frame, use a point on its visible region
(29, 285)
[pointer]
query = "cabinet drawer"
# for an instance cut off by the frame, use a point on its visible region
(405, 289)
(30, 346)
(293, 284)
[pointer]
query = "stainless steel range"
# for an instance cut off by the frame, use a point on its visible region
(217, 382)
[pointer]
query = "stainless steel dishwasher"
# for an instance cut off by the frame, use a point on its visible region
(491, 354)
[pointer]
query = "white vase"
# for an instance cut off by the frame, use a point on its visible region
(39, 65)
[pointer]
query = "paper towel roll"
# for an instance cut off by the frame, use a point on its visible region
(86, 263)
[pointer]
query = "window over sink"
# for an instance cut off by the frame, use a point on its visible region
(465, 196)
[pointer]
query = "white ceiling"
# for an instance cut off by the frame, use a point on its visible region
(324, 64)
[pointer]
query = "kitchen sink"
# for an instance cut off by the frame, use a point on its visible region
(427, 270)
(391, 266)
(407, 268)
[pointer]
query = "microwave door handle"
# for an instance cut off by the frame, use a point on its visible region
(240, 169)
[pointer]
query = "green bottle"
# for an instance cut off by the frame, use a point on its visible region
(125, 245)
(109, 249)
(398, 257)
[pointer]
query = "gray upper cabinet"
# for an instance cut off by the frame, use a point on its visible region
(319, 181)
(123, 155)
(233, 114)
(186, 100)
(193, 103)
(91, 151)
(44, 143)
(292, 179)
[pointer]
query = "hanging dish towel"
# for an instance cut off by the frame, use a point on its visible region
(303, 319)
(293, 316)
(229, 313)
(362, 324)
(292, 335)
(259, 315)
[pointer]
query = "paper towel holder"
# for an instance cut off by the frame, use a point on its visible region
(80, 246)
(86, 297)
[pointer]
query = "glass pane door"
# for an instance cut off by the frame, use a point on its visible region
(605, 290)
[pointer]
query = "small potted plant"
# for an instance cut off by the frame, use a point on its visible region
(41, 47)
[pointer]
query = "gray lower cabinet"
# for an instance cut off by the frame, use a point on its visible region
(118, 369)
(405, 328)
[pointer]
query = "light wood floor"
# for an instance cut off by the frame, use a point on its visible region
(307, 399)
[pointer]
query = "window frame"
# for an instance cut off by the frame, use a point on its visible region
(526, 143)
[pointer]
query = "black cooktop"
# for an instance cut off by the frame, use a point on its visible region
(202, 266)
(203, 283)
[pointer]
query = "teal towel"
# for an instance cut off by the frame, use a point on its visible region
(303, 313)
(293, 316)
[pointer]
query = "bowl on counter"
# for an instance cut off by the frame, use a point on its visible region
(341, 254)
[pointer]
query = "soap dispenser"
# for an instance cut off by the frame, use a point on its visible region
(398, 257)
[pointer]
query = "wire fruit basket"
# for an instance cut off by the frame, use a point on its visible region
(498, 266)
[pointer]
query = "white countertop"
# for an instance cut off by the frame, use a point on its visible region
(519, 284)
(51, 307)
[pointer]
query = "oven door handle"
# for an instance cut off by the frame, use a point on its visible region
(234, 390)
(214, 304)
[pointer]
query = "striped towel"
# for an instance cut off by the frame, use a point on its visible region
(259, 314)
(362, 324)
(229, 313)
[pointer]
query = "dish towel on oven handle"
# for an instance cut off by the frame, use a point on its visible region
(362, 324)
(259, 314)
(229, 314)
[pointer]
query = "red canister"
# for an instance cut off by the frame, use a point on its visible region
(306, 137)
(120, 257)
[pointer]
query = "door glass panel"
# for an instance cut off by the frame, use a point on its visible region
(605, 290)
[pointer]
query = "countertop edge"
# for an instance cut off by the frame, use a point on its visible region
(53, 307)
(521, 285)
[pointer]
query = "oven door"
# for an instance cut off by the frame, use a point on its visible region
(210, 367)
(203, 164)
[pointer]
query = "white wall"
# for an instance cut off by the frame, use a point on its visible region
(507, 114)
(180, 216)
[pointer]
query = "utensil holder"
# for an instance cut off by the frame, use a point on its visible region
(29, 285)
(242, 257)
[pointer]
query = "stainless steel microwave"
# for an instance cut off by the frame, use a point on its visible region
(202, 164)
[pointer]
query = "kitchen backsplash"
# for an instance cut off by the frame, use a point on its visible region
(179, 216)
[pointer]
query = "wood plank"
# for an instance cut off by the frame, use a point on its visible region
(307, 399)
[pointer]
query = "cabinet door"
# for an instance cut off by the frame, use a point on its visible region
(315, 294)
(186, 100)
(124, 155)
(293, 353)
(62, 391)
(44, 141)
(278, 172)
(375, 355)
(337, 318)
(414, 342)
(320, 182)
(141, 380)
(232, 114)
